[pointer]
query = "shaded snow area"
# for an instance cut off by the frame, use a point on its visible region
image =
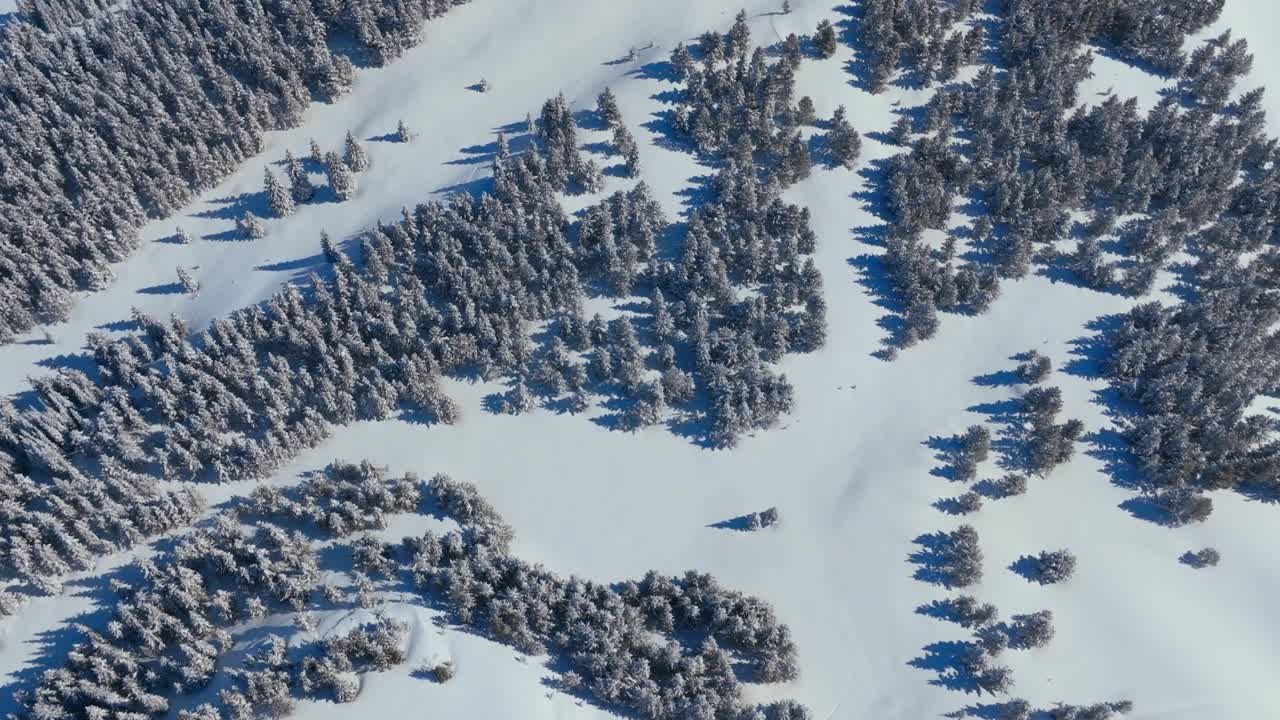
(861, 471)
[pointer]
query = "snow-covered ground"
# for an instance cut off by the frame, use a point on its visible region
(848, 470)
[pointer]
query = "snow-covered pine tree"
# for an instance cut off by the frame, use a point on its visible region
(327, 248)
(250, 227)
(825, 39)
(341, 180)
(806, 113)
(278, 199)
(607, 107)
(189, 284)
(354, 155)
(843, 142)
(403, 133)
(301, 189)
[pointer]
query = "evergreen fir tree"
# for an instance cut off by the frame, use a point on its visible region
(341, 180)
(189, 284)
(825, 39)
(278, 199)
(607, 106)
(403, 134)
(354, 155)
(327, 248)
(301, 189)
(250, 227)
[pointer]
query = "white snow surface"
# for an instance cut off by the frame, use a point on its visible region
(848, 469)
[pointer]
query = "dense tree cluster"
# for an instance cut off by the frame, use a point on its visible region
(607, 633)
(134, 112)
(58, 15)
(665, 647)
(737, 94)
(918, 35)
(738, 298)
(565, 166)
(344, 499)
(449, 289)
(376, 647)
(1031, 154)
(1142, 30)
(54, 526)
(748, 295)
(252, 389)
(167, 631)
(1194, 370)
(617, 241)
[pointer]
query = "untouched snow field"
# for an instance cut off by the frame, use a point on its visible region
(848, 469)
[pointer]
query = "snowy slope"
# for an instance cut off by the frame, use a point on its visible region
(848, 469)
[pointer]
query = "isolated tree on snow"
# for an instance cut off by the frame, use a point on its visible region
(317, 155)
(1207, 557)
(607, 106)
(189, 284)
(182, 237)
(278, 199)
(403, 134)
(250, 227)
(1053, 566)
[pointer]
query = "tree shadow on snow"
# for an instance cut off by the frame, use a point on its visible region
(741, 523)
(233, 207)
(949, 660)
(172, 288)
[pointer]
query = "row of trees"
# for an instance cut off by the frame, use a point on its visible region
(140, 108)
(954, 559)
